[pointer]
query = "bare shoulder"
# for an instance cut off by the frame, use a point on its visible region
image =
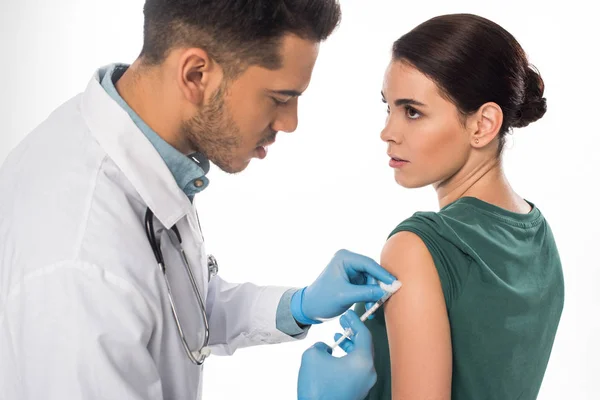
(405, 253)
(406, 256)
(417, 321)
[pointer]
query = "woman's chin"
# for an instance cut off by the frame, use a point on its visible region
(409, 182)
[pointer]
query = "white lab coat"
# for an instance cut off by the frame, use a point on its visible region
(84, 312)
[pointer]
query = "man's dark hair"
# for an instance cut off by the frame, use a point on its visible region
(236, 33)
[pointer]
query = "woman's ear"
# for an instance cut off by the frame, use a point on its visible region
(486, 123)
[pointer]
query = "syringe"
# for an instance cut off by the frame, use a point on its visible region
(390, 290)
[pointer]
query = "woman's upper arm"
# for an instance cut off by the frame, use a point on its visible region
(417, 323)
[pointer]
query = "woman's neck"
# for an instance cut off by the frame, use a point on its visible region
(485, 182)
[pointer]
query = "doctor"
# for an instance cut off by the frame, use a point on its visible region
(106, 291)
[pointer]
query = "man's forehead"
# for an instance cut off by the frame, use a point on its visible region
(297, 52)
(283, 81)
(298, 58)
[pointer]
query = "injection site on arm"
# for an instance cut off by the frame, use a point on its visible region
(390, 290)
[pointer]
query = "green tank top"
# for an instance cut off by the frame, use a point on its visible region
(503, 284)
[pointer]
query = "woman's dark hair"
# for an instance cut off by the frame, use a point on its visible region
(236, 33)
(474, 61)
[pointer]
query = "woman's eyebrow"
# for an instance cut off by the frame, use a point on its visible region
(402, 102)
(411, 102)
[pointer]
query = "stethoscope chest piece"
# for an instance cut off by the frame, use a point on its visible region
(213, 267)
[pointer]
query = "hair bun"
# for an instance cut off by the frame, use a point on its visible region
(534, 102)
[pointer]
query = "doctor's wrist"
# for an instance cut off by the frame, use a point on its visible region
(296, 308)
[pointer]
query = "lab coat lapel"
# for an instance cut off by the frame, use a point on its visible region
(127, 146)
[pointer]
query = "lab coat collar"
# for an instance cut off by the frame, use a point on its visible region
(133, 153)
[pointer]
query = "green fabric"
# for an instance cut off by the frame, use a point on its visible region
(502, 280)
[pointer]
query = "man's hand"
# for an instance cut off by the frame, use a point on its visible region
(348, 279)
(323, 376)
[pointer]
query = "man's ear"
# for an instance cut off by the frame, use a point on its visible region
(486, 124)
(198, 75)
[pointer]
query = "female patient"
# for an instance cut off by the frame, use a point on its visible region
(483, 286)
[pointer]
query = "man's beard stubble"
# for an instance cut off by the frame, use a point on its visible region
(213, 133)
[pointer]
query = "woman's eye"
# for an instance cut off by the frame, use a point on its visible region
(411, 113)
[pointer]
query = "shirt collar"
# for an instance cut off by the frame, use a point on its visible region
(133, 154)
(189, 171)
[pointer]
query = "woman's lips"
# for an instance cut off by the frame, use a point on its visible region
(396, 162)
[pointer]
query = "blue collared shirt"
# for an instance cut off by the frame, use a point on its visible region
(190, 174)
(189, 171)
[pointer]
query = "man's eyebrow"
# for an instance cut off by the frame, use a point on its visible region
(402, 102)
(289, 93)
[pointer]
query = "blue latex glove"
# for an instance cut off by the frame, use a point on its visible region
(323, 376)
(348, 279)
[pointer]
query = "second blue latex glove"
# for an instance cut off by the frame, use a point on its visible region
(348, 279)
(325, 377)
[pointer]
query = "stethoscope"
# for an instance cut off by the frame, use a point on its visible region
(196, 356)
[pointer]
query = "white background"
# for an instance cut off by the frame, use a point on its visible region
(327, 186)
